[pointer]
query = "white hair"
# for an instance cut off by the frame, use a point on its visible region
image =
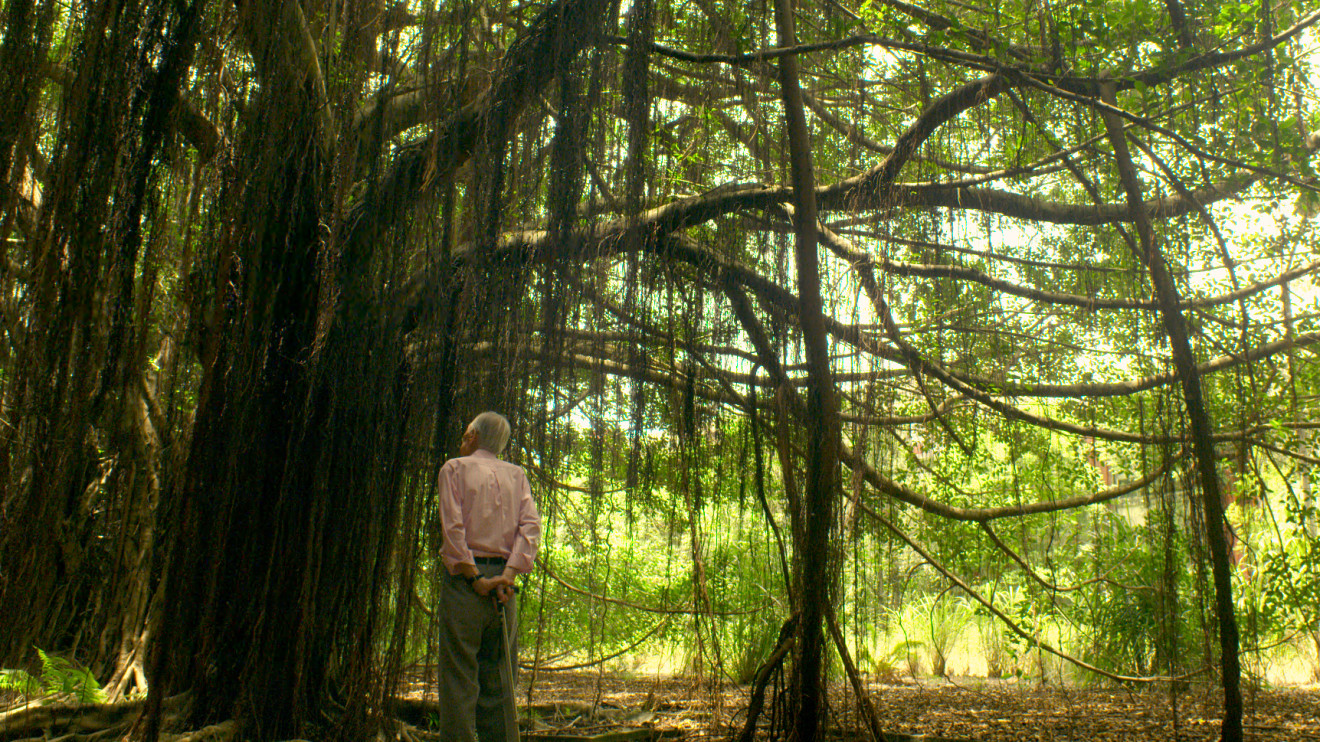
(492, 431)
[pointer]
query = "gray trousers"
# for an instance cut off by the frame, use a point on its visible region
(476, 681)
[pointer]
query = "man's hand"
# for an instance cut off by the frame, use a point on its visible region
(507, 589)
(502, 587)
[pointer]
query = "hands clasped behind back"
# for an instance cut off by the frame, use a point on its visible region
(500, 586)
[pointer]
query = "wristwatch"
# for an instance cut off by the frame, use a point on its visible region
(472, 581)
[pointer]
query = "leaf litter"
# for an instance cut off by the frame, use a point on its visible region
(625, 706)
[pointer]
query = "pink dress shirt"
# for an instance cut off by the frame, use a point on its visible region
(486, 510)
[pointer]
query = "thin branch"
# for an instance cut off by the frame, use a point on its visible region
(1114, 110)
(1296, 455)
(593, 663)
(854, 134)
(541, 564)
(1050, 586)
(838, 227)
(1076, 86)
(760, 56)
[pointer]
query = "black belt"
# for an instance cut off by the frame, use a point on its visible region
(490, 560)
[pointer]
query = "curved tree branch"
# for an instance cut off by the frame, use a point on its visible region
(565, 27)
(1133, 386)
(893, 489)
(856, 257)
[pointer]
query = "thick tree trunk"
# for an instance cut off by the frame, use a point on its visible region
(240, 507)
(1175, 325)
(291, 494)
(815, 572)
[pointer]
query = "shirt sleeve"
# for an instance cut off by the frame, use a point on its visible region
(527, 540)
(455, 549)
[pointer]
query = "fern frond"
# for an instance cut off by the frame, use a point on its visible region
(61, 677)
(86, 689)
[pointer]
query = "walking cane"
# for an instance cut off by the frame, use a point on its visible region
(511, 708)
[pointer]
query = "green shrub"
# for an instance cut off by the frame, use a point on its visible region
(61, 680)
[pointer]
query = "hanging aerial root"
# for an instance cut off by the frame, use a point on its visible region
(787, 635)
(855, 678)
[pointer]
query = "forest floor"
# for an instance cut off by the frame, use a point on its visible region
(589, 705)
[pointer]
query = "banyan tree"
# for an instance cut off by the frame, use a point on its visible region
(903, 285)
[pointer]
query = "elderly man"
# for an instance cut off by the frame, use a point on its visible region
(491, 533)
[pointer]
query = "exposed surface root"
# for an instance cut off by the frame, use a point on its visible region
(78, 721)
(222, 732)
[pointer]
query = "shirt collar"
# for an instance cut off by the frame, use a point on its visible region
(482, 453)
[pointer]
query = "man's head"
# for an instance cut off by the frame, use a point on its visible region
(488, 431)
